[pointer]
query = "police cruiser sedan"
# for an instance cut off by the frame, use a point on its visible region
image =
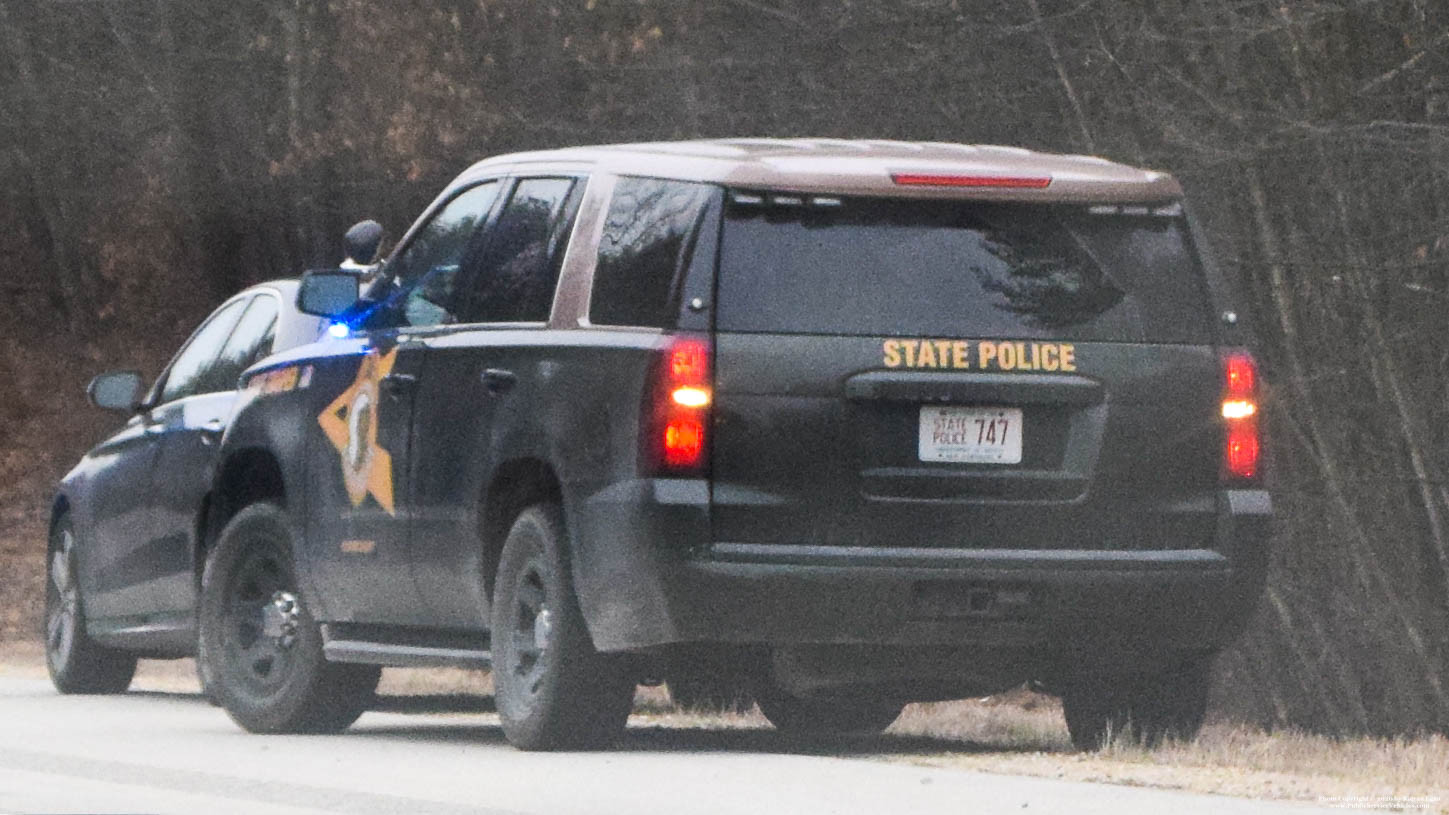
(129, 522)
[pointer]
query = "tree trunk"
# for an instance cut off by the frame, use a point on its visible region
(69, 279)
(1068, 89)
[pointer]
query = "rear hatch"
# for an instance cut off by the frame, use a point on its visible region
(963, 374)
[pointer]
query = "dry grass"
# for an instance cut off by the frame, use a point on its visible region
(1023, 733)
(1018, 732)
(22, 558)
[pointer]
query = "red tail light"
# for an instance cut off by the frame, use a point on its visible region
(683, 443)
(1242, 445)
(676, 437)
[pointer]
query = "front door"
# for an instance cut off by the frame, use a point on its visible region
(357, 463)
(113, 566)
(359, 516)
(191, 428)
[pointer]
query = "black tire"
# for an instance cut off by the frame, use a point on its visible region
(1147, 710)
(826, 716)
(552, 689)
(259, 648)
(77, 664)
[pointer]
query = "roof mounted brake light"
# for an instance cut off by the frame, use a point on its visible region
(1036, 182)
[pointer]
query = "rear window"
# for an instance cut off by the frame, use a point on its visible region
(874, 267)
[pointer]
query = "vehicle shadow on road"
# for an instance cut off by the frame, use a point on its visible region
(645, 737)
(659, 738)
(654, 738)
(436, 703)
(641, 737)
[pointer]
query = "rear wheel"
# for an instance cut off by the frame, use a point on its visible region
(75, 662)
(260, 649)
(552, 689)
(1146, 710)
(826, 716)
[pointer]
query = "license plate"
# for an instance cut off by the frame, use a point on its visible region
(970, 435)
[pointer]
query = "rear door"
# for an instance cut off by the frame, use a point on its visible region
(956, 374)
(485, 370)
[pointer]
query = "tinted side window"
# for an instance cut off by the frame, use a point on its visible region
(646, 241)
(520, 263)
(251, 341)
(428, 267)
(189, 373)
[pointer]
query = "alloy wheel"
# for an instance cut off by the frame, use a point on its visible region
(64, 616)
(532, 629)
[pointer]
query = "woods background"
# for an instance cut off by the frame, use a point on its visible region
(156, 155)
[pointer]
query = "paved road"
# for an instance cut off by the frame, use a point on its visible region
(172, 753)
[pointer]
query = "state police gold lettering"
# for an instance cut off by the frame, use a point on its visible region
(926, 354)
(892, 354)
(1027, 356)
(990, 355)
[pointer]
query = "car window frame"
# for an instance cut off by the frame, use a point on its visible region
(397, 297)
(580, 180)
(688, 259)
(153, 398)
(276, 326)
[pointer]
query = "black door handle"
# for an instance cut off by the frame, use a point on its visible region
(498, 381)
(398, 384)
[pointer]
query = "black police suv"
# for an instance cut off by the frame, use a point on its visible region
(127, 525)
(844, 424)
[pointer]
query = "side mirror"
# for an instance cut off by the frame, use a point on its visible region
(116, 390)
(326, 292)
(362, 242)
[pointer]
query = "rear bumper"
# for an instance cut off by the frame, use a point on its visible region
(640, 588)
(1025, 599)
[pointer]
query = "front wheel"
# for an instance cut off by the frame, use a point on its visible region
(1148, 710)
(552, 689)
(260, 649)
(76, 663)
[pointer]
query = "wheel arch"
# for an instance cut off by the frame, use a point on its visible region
(516, 485)
(59, 508)
(247, 476)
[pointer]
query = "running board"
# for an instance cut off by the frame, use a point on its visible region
(404, 656)
(338, 647)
